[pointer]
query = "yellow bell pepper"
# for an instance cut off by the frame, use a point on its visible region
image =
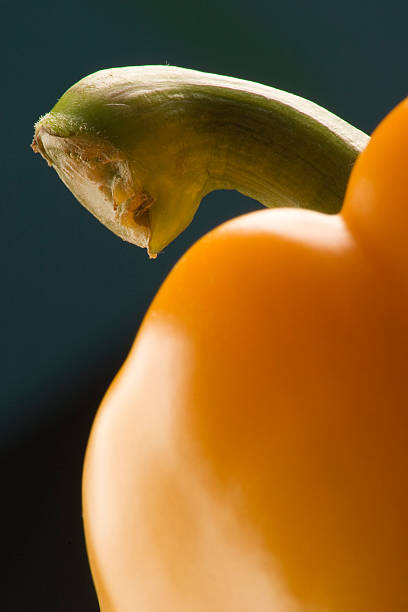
(251, 455)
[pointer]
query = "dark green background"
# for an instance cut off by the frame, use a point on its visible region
(73, 294)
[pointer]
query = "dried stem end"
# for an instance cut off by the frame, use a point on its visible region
(98, 175)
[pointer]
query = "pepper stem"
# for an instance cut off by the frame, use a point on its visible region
(140, 147)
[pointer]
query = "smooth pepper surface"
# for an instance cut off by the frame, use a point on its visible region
(252, 452)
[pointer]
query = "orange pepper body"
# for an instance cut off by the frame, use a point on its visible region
(252, 452)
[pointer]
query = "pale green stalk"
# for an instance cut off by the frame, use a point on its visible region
(140, 146)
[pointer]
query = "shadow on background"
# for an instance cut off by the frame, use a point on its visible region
(73, 294)
(46, 566)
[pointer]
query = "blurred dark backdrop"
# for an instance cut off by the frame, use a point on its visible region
(73, 294)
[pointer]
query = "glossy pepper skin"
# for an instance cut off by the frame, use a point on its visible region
(252, 453)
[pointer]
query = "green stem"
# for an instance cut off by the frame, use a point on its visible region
(141, 146)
